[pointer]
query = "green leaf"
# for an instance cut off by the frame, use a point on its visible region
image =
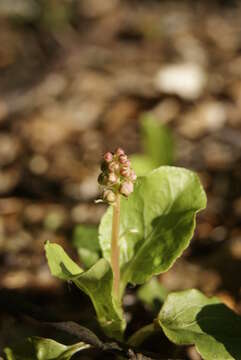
(60, 263)
(153, 294)
(36, 348)
(95, 282)
(85, 240)
(157, 141)
(158, 146)
(189, 317)
(157, 223)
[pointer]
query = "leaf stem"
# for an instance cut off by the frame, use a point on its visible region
(141, 335)
(115, 245)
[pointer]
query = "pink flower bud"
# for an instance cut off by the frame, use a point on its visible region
(119, 152)
(109, 196)
(123, 159)
(125, 171)
(108, 157)
(127, 188)
(116, 176)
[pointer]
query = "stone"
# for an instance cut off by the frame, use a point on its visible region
(186, 80)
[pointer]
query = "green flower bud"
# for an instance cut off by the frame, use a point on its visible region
(109, 196)
(101, 179)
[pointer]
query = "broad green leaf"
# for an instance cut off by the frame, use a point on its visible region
(158, 146)
(95, 282)
(157, 222)
(36, 348)
(189, 317)
(153, 293)
(85, 240)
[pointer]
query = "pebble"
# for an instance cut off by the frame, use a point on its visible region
(184, 275)
(38, 164)
(205, 118)
(89, 188)
(25, 9)
(95, 8)
(193, 354)
(218, 156)
(10, 206)
(87, 213)
(9, 149)
(235, 247)
(8, 180)
(186, 80)
(237, 207)
(166, 111)
(34, 213)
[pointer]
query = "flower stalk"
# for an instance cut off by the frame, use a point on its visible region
(115, 252)
(117, 178)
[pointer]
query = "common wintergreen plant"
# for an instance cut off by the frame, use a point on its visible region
(148, 225)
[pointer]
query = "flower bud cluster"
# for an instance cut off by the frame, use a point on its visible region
(117, 176)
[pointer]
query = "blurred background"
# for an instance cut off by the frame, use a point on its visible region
(162, 79)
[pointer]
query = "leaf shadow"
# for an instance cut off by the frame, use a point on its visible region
(67, 274)
(221, 323)
(163, 223)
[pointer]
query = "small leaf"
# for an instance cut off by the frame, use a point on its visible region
(156, 223)
(153, 294)
(36, 348)
(157, 141)
(95, 282)
(85, 240)
(60, 263)
(189, 317)
(158, 146)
